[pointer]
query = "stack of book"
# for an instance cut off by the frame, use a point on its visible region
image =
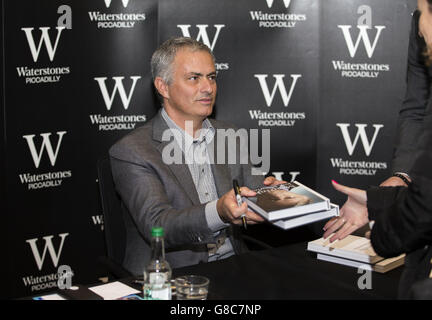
(291, 205)
(353, 251)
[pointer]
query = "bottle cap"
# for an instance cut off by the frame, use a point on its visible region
(157, 232)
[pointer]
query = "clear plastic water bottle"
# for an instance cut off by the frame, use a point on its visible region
(157, 274)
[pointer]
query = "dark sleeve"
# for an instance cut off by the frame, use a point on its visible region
(413, 108)
(381, 198)
(407, 224)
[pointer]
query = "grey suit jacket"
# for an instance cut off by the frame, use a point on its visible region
(156, 194)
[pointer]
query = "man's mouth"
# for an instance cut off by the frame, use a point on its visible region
(206, 100)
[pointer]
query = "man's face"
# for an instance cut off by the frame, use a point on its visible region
(192, 92)
(425, 24)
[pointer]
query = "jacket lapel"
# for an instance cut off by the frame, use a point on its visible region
(221, 172)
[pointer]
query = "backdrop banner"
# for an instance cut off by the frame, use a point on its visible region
(316, 85)
(363, 54)
(76, 80)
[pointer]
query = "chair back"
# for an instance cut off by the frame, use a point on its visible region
(114, 227)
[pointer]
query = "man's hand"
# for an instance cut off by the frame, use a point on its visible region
(230, 212)
(353, 214)
(393, 182)
(272, 181)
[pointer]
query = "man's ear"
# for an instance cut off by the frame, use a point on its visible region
(161, 87)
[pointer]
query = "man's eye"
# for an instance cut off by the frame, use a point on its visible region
(193, 78)
(212, 78)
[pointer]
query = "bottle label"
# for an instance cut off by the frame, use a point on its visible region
(158, 278)
(159, 287)
(163, 293)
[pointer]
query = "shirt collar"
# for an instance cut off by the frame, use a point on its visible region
(206, 135)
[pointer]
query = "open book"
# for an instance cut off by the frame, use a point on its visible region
(353, 251)
(286, 201)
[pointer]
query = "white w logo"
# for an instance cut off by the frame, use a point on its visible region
(361, 133)
(126, 98)
(202, 33)
(286, 2)
(46, 144)
(55, 256)
(363, 35)
(43, 39)
(279, 84)
(108, 3)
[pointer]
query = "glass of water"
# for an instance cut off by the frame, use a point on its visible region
(191, 287)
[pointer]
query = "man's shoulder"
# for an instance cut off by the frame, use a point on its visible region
(136, 140)
(221, 124)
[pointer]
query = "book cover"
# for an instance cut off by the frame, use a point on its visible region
(382, 266)
(308, 218)
(287, 200)
(352, 247)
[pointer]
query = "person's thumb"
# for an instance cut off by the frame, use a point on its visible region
(341, 188)
(356, 194)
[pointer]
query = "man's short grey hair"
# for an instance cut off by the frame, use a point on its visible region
(163, 57)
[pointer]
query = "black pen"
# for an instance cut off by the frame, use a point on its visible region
(239, 201)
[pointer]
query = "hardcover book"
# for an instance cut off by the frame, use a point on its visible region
(382, 266)
(286, 201)
(308, 218)
(352, 247)
(353, 251)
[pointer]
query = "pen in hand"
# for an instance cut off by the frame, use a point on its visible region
(239, 201)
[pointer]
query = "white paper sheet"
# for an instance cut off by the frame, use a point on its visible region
(54, 296)
(113, 290)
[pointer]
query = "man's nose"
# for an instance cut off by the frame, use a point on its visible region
(207, 85)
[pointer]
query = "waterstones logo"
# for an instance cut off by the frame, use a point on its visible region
(119, 122)
(48, 247)
(279, 119)
(363, 168)
(48, 281)
(50, 43)
(118, 87)
(280, 175)
(41, 75)
(279, 19)
(202, 34)
(117, 20)
(98, 221)
(359, 168)
(36, 181)
(367, 40)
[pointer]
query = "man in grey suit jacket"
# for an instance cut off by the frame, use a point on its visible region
(191, 197)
